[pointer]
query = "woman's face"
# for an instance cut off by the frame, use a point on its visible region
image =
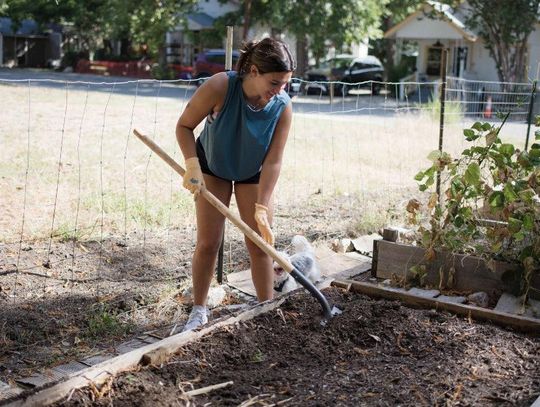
(270, 84)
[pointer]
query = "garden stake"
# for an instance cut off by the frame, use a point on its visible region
(328, 311)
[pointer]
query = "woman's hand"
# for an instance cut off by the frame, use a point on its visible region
(261, 217)
(193, 177)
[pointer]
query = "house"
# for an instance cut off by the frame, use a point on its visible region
(26, 46)
(468, 57)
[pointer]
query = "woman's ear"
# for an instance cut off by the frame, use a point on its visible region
(253, 70)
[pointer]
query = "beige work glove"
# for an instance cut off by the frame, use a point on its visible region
(261, 217)
(193, 177)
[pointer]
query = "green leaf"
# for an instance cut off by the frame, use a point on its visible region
(537, 133)
(523, 159)
(507, 149)
(519, 236)
(514, 225)
(472, 174)
(477, 126)
(528, 222)
(434, 156)
(509, 193)
(419, 176)
(534, 156)
(470, 135)
(486, 126)
(459, 221)
(535, 146)
(527, 195)
(496, 199)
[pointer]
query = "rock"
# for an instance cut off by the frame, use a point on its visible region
(424, 293)
(216, 295)
(342, 245)
(510, 304)
(364, 244)
(398, 234)
(479, 298)
(451, 298)
(514, 305)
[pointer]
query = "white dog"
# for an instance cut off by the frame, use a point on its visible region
(303, 259)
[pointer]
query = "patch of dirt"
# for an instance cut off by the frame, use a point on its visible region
(72, 300)
(376, 353)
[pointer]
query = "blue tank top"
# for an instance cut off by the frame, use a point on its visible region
(237, 140)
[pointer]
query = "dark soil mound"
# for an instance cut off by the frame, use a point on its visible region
(376, 353)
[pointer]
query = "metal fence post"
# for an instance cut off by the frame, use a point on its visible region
(228, 67)
(444, 56)
(530, 115)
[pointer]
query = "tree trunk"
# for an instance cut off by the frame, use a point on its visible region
(388, 45)
(247, 18)
(301, 56)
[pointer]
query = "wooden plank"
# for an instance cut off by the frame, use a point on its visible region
(331, 264)
(101, 372)
(459, 272)
(8, 391)
(525, 324)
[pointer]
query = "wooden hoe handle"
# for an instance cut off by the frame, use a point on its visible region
(216, 203)
(328, 311)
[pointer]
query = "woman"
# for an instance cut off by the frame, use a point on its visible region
(248, 117)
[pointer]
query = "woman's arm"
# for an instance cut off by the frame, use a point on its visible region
(272, 163)
(207, 98)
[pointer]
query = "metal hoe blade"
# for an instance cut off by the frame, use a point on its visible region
(328, 311)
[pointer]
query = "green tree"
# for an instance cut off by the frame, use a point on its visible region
(82, 19)
(317, 23)
(505, 26)
(145, 21)
(91, 21)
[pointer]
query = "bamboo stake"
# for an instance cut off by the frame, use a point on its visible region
(207, 389)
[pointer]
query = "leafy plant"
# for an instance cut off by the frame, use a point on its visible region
(489, 179)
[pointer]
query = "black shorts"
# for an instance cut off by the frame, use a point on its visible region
(204, 167)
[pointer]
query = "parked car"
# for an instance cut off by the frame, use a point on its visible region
(210, 62)
(345, 68)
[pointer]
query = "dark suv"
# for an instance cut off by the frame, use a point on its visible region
(348, 69)
(211, 61)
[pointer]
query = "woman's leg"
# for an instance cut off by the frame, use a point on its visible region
(209, 233)
(261, 263)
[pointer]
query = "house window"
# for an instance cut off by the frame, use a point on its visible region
(460, 61)
(433, 65)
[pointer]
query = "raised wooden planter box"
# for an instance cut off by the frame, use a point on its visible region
(448, 271)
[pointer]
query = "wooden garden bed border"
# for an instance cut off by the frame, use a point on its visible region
(521, 323)
(470, 273)
(99, 373)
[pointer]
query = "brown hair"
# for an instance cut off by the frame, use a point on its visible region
(268, 55)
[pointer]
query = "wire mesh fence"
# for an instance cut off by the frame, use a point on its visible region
(84, 201)
(96, 227)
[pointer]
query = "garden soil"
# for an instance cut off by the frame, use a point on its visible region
(377, 352)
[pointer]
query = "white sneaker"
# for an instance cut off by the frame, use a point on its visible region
(197, 318)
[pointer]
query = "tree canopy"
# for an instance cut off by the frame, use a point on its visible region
(143, 21)
(338, 23)
(505, 26)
